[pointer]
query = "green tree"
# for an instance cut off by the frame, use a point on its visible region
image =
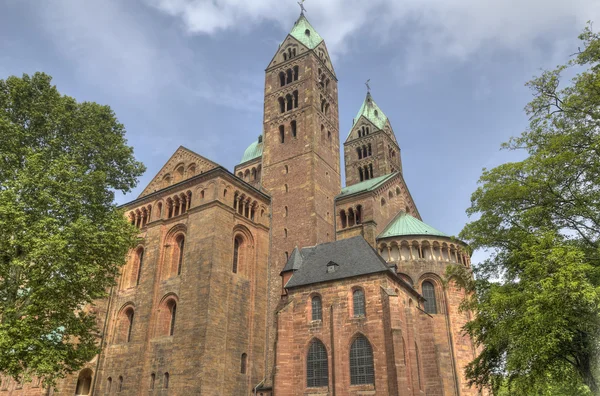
(63, 239)
(537, 296)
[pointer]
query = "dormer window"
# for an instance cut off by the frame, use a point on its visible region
(376, 113)
(332, 267)
(307, 32)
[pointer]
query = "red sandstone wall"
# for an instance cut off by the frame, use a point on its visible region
(388, 311)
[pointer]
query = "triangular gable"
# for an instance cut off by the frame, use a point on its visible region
(183, 164)
(358, 124)
(390, 131)
(323, 54)
(289, 43)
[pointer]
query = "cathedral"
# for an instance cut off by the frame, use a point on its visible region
(273, 279)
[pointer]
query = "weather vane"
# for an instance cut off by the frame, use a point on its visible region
(301, 4)
(368, 86)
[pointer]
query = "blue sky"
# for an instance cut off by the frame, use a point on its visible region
(449, 74)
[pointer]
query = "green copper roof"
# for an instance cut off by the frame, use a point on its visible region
(372, 112)
(405, 224)
(300, 30)
(253, 151)
(366, 185)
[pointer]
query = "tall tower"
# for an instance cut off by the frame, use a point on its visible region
(371, 149)
(301, 163)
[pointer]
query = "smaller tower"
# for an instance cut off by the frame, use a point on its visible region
(371, 149)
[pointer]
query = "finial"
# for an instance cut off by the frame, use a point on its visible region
(368, 87)
(302, 9)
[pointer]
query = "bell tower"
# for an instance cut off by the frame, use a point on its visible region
(300, 159)
(301, 163)
(371, 149)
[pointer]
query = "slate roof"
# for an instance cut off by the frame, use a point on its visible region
(299, 30)
(367, 185)
(253, 151)
(294, 262)
(405, 224)
(354, 257)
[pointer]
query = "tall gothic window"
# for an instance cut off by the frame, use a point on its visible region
(361, 362)
(317, 313)
(358, 300)
(429, 294)
(317, 372)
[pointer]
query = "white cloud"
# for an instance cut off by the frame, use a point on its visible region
(452, 30)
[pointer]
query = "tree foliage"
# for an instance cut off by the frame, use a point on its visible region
(62, 237)
(537, 296)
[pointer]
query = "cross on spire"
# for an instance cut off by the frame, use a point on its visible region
(368, 86)
(301, 4)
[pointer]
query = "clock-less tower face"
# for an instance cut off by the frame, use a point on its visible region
(301, 164)
(300, 159)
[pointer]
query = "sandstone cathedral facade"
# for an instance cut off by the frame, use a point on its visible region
(275, 280)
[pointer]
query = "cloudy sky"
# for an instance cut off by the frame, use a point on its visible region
(449, 74)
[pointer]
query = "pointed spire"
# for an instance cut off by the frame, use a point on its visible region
(305, 33)
(371, 111)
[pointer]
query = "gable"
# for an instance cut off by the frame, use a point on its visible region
(323, 55)
(289, 49)
(182, 165)
(362, 125)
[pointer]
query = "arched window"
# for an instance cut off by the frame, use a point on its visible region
(317, 313)
(287, 189)
(237, 244)
(120, 384)
(361, 362)
(358, 302)
(140, 260)
(293, 126)
(152, 380)
(290, 102)
(166, 380)
(317, 371)
(360, 173)
(429, 294)
(390, 195)
(370, 171)
(124, 325)
(84, 382)
(281, 105)
(382, 201)
(284, 56)
(295, 99)
(285, 214)
(358, 214)
(418, 365)
(289, 75)
(343, 218)
(108, 384)
(173, 312)
(296, 69)
(244, 363)
(281, 134)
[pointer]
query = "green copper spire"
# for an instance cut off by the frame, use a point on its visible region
(305, 33)
(372, 112)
